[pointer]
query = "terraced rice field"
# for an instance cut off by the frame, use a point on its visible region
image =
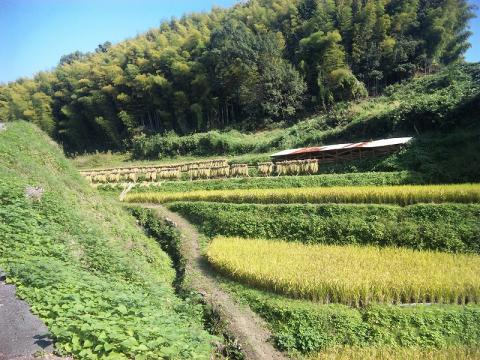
(351, 275)
(393, 269)
(401, 195)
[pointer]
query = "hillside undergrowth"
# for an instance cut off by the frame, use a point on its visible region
(436, 102)
(301, 326)
(440, 111)
(103, 288)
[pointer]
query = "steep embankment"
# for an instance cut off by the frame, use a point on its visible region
(102, 287)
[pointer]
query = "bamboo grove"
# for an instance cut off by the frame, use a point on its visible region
(259, 62)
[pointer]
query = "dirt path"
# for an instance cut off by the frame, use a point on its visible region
(247, 327)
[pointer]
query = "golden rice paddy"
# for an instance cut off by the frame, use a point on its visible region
(401, 195)
(349, 275)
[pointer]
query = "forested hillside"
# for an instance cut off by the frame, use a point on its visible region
(443, 101)
(260, 62)
(440, 110)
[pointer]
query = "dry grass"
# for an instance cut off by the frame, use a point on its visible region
(391, 353)
(349, 275)
(401, 195)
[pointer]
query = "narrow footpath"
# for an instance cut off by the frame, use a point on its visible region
(248, 328)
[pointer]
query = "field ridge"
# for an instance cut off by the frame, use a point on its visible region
(246, 326)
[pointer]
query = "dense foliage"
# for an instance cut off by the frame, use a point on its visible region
(442, 227)
(307, 327)
(103, 288)
(348, 274)
(258, 62)
(438, 102)
(167, 236)
(395, 194)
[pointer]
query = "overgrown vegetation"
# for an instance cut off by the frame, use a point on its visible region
(440, 110)
(400, 195)
(440, 227)
(168, 237)
(258, 63)
(307, 327)
(103, 288)
(432, 103)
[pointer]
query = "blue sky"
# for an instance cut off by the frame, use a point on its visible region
(34, 34)
(473, 54)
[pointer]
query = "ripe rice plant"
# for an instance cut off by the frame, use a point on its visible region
(200, 169)
(220, 171)
(205, 170)
(396, 353)
(133, 176)
(350, 275)
(169, 173)
(147, 168)
(401, 195)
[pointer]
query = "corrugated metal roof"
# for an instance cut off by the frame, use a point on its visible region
(286, 152)
(365, 144)
(387, 142)
(333, 147)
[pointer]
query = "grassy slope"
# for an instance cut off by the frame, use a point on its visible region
(440, 227)
(305, 327)
(102, 287)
